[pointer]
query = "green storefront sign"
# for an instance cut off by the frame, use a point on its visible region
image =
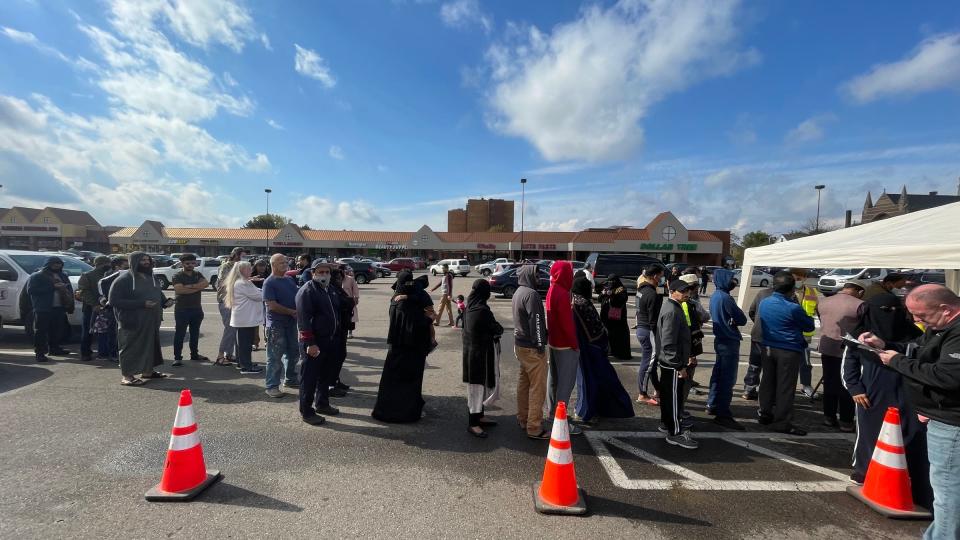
(668, 247)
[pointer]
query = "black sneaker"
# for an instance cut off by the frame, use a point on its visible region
(337, 392)
(291, 384)
(857, 478)
(314, 420)
(764, 419)
(199, 358)
(177, 362)
(61, 352)
(831, 422)
(42, 358)
(87, 358)
(729, 423)
(341, 386)
(328, 410)
(251, 370)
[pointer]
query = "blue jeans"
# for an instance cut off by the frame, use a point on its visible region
(648, 367)
(724, 376)
(86, 345)
(187, 318)
(283, 353)
(943, 452)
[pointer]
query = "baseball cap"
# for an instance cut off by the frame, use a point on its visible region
(320, 263)
(680, 285)
(690, 279)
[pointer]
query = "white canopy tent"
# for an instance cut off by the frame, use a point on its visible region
(927, 239)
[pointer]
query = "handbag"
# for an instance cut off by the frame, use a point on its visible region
(615, 313)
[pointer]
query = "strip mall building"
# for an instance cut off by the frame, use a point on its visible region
(664, 237)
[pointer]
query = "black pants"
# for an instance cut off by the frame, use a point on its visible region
(48, 330)
(671, 400)
(779, 385)
(836, 399)
(314, 375)
(338, 357)
(86, 338)
(244, 346)
(187, 318)
(755, 365)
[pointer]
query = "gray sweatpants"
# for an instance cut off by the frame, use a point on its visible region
(562, 377)
(228, 343)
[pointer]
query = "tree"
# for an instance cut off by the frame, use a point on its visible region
(267, 221)
(812, 227)
(749, 240)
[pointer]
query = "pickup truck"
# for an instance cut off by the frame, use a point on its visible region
(490, 267)
(207, 266)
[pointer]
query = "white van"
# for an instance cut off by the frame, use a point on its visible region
(833, 281)
(457, 266)
(16, 267)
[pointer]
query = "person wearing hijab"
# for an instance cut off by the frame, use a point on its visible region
(481, 348)
(598, 385)
(400, 395)
(875, 387)
(561, 338)
(138, 302)
(613, 306)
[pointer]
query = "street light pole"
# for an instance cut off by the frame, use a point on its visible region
(523, 200)
(818, 187)
(268, 191)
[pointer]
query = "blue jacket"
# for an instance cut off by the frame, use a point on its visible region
(318, 315)
(40, 286)
(784, 323)
(724, 312)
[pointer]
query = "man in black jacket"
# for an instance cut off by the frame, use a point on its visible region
(648, 309)
(318, 320)
(673, 356)
(529, 345)
(931, 368)
(51, 297)
(751, 381)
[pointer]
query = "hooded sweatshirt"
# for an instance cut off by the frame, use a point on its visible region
(529, 322)
(563, 334)
(726, 315)
(40, 287)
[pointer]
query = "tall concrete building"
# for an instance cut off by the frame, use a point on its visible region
(482, 215)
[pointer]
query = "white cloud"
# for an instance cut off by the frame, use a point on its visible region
(275, 125)
(580, 91)
(198, 22)
(932, 65)
(336, 152)
(463, 13)
(265, 40)
(229, 80)
(810, 130)
(310, 64)
(27, 38)
(322, 212)
(562, 168)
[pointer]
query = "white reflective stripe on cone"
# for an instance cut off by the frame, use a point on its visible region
(560, 457)
(561, 431)
(891, 435)
(889, 459)
(184, 417)
(184, 442)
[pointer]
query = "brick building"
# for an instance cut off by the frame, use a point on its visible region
(457, 220)
(482, 215)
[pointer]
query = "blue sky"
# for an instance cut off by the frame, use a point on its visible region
(384, 114)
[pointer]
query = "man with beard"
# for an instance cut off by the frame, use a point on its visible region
(88, 294)
(318, 319)
(51, 297)
(138, 302)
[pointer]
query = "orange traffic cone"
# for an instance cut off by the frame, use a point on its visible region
(558, 493)
(886, 488)
(184, 474)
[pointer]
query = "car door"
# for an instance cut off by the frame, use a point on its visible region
(10, 285)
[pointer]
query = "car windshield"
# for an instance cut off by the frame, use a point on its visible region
(32, 263)
(845, 271)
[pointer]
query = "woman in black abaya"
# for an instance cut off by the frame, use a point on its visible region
(400, 396)
(481, 345)
(613, 313)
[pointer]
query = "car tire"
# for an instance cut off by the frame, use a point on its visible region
(362, 279)
(509, 290)
(764, 283)
(485, 272)
(164, 284)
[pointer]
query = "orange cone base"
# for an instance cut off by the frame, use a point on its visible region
(157, 495)
(576, 509)
(917, 513)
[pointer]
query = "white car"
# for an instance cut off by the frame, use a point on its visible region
(833, 281)
(457, 266)
(758, 279)
(207, 266)
(15, 267)
(490, 267)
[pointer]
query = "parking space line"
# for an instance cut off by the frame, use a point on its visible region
(599, 441)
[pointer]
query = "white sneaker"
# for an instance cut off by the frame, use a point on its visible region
(808, 391)
(683, 440)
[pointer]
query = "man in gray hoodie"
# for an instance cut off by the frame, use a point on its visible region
(529, 345)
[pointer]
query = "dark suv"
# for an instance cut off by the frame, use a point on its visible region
(363, 272)
(627, 266)
(506, 282)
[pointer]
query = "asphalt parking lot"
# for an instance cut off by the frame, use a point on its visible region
(79, 451)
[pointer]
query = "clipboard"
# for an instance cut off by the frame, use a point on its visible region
(852, 341)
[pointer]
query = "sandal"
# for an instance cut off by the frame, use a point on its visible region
(155, 375)
(481, 434)
(132, 382)
(221, 361)
(543, 435)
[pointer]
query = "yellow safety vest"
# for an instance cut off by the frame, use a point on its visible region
(809, 304)
(686, 313)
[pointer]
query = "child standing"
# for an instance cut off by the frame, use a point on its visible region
(461, 309)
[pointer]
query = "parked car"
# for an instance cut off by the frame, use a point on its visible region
(506, 282)
(396, 265)
(916, 278)
(457, 266)
(489, 267)
(363, 272)
(627, 266)
(421, 264)
(758, 278)
(207, 266)
(834, 280)
(15, 268)
(380, 268)
(161, 260)
(670, 266)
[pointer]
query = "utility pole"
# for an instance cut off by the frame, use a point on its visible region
(523, 200)
(818, 187)
(268, 191)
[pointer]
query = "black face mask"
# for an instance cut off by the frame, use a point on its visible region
(103, 267)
